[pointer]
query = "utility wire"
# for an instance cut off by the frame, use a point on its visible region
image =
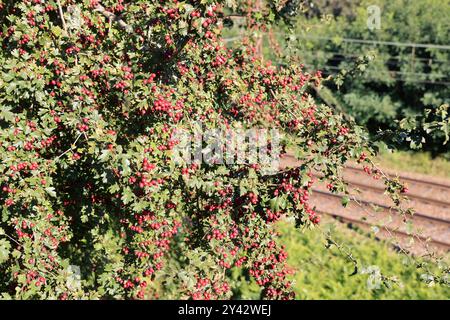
(377, 42)
(393, 63)
(430, 60)
(383, 73)
(417, 45)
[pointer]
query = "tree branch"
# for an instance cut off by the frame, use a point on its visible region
(61, 14)
(111, 16)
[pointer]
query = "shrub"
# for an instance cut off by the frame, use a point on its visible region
(325, 273)
(91, 96)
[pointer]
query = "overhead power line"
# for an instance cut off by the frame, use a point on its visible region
(399, 57)
(382, 73)
(390, 63)
(370, 75)
(377, 42)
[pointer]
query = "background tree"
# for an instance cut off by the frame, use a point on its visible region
(409, 72)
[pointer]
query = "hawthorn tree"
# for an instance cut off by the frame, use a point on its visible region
(91, 93)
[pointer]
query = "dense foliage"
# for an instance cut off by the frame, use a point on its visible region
(91, 94)
(323, 273)
(403, 80)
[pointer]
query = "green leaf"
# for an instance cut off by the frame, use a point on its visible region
(57, 31)
(345, 200)
(104, 155)
(274, 204)
(127, 196)
(5, 247)
(51, 191)
(6, 114)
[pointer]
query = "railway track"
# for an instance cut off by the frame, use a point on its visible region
(444, 186)
(432, 230)
(442, 246)
(387, 209)
(430, 199)
(439, 193)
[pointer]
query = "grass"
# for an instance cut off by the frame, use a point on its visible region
(416, 162)
(326, 273)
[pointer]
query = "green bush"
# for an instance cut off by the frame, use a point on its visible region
(402, 80)
(93, 96)
(323, 273)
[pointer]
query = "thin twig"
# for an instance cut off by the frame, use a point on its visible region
(12, 239)
(61, 14)
(113, 17)
(71, 147)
